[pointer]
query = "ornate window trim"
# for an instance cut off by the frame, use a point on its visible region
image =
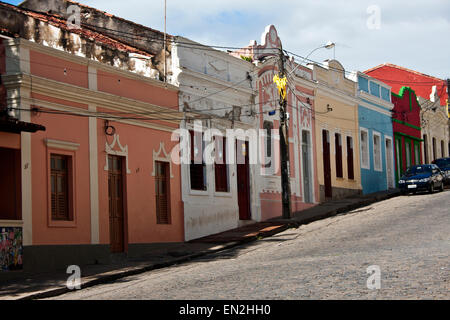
(123, 152)
(162, 156)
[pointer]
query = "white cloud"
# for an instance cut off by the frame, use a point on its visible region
(413, 33)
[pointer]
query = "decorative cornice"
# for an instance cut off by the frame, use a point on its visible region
(375, 100)
(81, 95)
(88, 62)
(63, 145)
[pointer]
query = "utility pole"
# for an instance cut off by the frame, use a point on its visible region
(281, 81)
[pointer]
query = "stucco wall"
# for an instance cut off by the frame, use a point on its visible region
(371, 179)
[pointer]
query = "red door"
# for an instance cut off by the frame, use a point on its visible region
(327, 163)
(115, 195)
(243, 179)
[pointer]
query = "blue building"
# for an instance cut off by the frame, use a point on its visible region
(375, 134)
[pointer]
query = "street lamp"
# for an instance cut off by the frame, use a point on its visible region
(329, 45)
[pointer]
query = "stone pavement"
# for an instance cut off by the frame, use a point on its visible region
(165, 255)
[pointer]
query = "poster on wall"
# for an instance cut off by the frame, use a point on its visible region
(11, 249)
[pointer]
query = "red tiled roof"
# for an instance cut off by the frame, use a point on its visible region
(61, 23)
(402, 68)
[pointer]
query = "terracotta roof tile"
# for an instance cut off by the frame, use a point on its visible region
(61, 23)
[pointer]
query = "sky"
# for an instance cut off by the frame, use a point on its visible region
(410, 33)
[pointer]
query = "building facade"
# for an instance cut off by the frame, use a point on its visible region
(337, 132)
(428, 88)
(99, 180)
(375, 134)
(435, 128)
(220, 195)
(407, 130)
(300, 96)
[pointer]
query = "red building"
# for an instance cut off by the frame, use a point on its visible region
(407, 130)
(397, 77)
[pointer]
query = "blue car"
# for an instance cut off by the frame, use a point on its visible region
(444, 165)
(427, 177)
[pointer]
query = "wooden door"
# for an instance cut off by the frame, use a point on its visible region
(162, 191)
(116, 210)
(306, 157)
(243, 179)
(327, 164)
(389, 162)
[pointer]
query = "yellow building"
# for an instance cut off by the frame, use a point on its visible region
(337, 142)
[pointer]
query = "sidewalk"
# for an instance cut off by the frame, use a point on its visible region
(165, 255)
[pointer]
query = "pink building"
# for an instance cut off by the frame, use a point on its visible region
(300, 97)
(85, 141)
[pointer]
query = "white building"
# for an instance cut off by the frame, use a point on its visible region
(220, 88)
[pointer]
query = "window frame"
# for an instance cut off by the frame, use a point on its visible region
(338, 154)
(218, 167)
(352, 154)
(192, 163)
(71, 193)
(380, 153)
(159, 221)
(269, 135)
(366, 152)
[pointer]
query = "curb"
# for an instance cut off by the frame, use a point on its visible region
(111, 276)
(347, 208)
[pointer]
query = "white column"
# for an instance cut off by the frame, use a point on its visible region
(26, 161)
(93, 162)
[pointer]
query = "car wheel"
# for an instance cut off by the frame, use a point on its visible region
(431, 188)
(442, 187)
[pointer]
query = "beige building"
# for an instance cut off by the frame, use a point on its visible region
(435, 128)
(336, 116)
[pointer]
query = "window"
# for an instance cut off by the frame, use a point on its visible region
(197, 166)
(416, 153)
(10, 184)
(425, 148)
(59, 186)
(434, 149)
(268, 127)
(408, 153)
(442, 149)
(162, 192)
(365, 149)
(350, 164)
(377, 152)
(398, 156)
(220, 165)
(338, 148)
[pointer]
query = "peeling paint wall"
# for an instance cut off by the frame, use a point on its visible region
(33, 29)
(135, 35)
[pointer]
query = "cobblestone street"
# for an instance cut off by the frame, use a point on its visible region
(407, 237)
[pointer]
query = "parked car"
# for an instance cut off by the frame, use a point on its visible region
(444, 165)
(427, 177)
